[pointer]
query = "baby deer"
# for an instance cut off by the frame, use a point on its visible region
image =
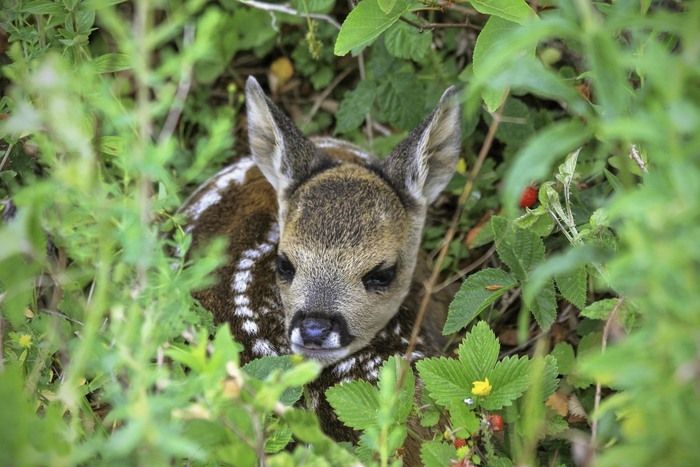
(323, 241)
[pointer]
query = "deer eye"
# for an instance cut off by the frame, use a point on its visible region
(285, 269)
(379, 278)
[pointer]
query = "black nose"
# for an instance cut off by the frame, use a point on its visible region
(315, 330)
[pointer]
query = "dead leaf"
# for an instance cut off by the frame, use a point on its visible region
(559, 403)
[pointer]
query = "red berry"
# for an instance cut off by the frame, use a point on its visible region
(496, 422)
(459, 442)
(529, 197)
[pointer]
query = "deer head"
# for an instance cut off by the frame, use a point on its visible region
(349, 231)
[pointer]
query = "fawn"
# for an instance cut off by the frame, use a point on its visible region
(323, 241)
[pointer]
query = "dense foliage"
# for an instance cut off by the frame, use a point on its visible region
(575, 335)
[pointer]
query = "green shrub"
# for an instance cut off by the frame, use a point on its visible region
(115, 112)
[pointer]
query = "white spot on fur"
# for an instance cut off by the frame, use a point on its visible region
(344, 367)
(245, 263)
(250, 327)
(209, 192)
(263, 347)
(373, 375)
(241, 300)
(295, 337)
(243, 312)
(332, 341)
(314, 401)
(397, 329)
(417, 355)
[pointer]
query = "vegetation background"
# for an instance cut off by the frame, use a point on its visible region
(575, 237)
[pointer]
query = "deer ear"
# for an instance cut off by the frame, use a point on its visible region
(281, 152)
(423, 163)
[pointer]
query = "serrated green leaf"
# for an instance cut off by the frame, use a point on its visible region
(559, 265)
(517, 11)
(477, 293)
(519, 249)
(534, 161)
(550, 382)
(355, 403)
(509, 380)
(365, 23)
(478, 352)
(600, 309)
(355, 105)
(437, 454)
(462, 419)
(405, 41)
(445, 379)
(544, 306)
(401, 100)
(573, 286)
(564, 353)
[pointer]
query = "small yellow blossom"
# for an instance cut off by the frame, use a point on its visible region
(481, 388)
(25, 340)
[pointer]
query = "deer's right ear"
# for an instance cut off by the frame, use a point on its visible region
(281, 152)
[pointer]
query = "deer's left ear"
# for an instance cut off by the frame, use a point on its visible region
(424, 162)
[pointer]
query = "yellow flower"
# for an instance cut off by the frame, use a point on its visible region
(25, 340)
(481, 388)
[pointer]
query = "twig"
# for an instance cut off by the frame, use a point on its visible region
(603, 346)
(383, 130)
(463, 272)
(637, 158)
(183, 88)
(430, 285)
(326, 92)
(6, 156)
(284, 8)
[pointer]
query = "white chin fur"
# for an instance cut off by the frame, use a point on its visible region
(324, 356)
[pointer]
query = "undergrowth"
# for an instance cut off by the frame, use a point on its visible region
(575, 331)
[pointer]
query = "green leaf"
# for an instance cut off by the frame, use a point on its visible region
(479, 351)
(509, 381)
(388, 379)
(477, 293)
(355, 403)
(564, 353)
(445, 379)
(544, 306)
(109, 63)
(365, 23)
(519, 249)
(573, 286)
(517, 11)
(386, 5)
(401, 100)
(405, 41)
(356, 104)
(600, 309)
(462, 418)
(559, 266)
(550, 382)
(437, 454)
(534, 161)
(493, 31)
